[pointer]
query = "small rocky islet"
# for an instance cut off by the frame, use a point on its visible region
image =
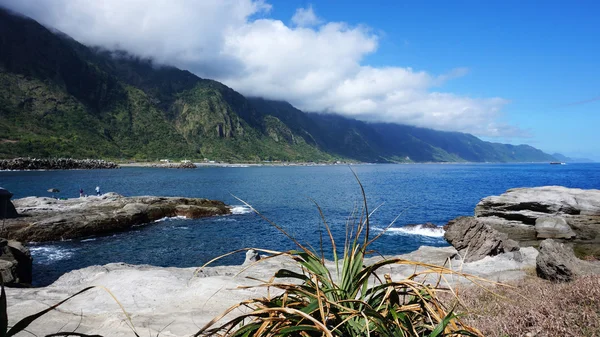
(43, 219)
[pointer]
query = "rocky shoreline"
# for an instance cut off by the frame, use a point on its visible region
(562, 223)
(21, 164)
(528, 216)
(509, 237)
(177, 301)
(46, 219)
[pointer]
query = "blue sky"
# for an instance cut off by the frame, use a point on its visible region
(506, 71)
(541, 56)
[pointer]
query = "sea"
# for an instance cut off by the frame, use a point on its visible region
(289, 196)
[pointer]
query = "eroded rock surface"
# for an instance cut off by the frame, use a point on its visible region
(527, 204)
(15, 263)
(553, 227)
(48, 219)
(557, 262)
(474, 239)
(178, 301)
(529, 215)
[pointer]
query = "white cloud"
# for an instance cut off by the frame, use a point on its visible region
(305, 17)
(317, 66)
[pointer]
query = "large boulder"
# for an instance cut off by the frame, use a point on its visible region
(530, 215)
(7, 209)
(15, 263)
(474, 239)
(527, 204)
(557, 262)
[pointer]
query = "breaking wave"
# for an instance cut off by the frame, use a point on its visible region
(240, 209)
(49, 254)
(167, 218)
(418, 230)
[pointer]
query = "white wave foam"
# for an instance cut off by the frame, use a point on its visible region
(167, 218)
(50, 253)
(87, 240)
(240, 209)
(418, 230)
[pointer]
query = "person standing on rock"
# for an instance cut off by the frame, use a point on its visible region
(81, 192)
(98, 190)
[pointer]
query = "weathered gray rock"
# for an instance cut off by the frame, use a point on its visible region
(553, 227)
(515, 230)
(529, 215)
(557, 262)
(175, 301)
(7, 209)
(47, 219)
(528, 204)
(15, 263)
(474, 239)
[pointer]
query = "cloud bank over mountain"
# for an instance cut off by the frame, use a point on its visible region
(314, 64)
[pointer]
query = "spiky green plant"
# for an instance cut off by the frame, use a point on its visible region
(354, 301)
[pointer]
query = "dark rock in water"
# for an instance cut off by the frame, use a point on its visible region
(48, 219)
(474, 239)
(529, 215)
(557, 262)
(427, 225)
(15, 263)
(7, 209)
(19, 164)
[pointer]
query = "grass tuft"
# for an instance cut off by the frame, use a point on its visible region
(537, 307)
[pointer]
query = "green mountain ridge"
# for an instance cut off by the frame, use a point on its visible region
(61, 98)
(383, 142)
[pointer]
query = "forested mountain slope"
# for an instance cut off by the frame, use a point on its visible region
(61, 98)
